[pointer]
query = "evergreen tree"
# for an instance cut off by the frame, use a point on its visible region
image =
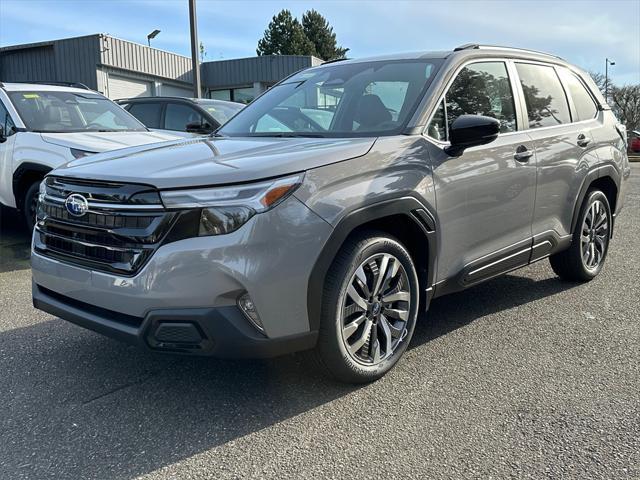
(318, 30)
(285, 36)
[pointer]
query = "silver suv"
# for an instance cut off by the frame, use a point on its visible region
(328, 214)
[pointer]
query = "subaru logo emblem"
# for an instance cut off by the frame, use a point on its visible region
(76, 205)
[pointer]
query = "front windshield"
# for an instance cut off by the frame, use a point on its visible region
(221, 112)
(340, 100)
(55, 111)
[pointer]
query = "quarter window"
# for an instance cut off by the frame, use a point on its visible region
(479, 89)
(437, 128)
(543, 93)
(586, 108)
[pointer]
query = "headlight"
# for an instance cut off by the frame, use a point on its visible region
(80, 153)
(225, 209)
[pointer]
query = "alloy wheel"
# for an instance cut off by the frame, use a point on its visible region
(595, 235)
(375, 309)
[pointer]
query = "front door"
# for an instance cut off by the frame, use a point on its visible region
(485, 197)
(6, 157)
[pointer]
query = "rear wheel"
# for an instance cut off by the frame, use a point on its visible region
(369, 309)
(584, 259)
(30, 204)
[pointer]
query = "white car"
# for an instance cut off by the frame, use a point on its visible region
(45, 126)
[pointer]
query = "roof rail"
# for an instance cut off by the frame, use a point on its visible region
(60, 84)
(335, 60)
(466, 46)
(470, 46)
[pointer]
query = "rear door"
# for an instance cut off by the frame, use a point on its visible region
(561, 130)
(485, 197)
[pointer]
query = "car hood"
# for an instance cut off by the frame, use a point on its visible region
(105, 141)
(214, 161)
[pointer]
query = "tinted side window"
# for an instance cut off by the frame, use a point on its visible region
(177, 117)
(5, 121)
(546, 102)
(147, 113)
(482, 89)
(586, 108)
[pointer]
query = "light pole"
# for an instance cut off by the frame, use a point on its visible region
(195, 64)
(607, 62)
(151, 36)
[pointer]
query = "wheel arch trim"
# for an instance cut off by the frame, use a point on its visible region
(23, 170)
(602, 171)
(408, 206)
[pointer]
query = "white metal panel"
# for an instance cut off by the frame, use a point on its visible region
(122, 87)
(173, 91)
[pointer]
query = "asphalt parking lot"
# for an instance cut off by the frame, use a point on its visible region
(524, 376)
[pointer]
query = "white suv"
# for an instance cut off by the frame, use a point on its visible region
(45, 126)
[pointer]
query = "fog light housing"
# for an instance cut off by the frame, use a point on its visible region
(248, 308)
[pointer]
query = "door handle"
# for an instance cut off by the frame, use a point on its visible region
(523, 154)
(583, 140)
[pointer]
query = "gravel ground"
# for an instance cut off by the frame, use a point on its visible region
(524, 376)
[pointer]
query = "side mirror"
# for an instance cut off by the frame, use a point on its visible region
(197, 127)
(470, 131)
(3, 138)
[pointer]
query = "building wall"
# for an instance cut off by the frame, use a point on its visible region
(243, 79)
(94, 59)
(268, 69)
(142, 59)
(69, 60)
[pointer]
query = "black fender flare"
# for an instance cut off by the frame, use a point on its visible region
(22, 170)
(414, 209)
(601, 171)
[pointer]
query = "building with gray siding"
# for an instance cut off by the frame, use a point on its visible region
(240, 78)
(121, 69)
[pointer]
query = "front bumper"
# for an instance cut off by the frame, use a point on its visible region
(270, 257)
(220, 332)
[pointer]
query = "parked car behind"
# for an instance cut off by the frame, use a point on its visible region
(437, 171)
(181, 116)
(634, 142)
(45, 126)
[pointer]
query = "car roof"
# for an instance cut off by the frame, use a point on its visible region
(466, 50)
(179, 99)
(42, 87)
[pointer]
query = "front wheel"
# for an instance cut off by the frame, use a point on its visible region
(369, 309)
(30, 205)
(584, 259)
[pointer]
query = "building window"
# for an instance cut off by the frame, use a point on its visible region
(243, 95)
(240, 95)
(220, 95)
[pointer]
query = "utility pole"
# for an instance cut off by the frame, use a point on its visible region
(607, 62)
(195, 64)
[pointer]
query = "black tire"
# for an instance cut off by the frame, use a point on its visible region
(29, 205)
(570, 264)
(330, 354)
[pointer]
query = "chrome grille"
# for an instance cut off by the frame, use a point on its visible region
(124, 225)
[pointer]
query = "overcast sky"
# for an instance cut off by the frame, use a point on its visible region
(583, 32)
